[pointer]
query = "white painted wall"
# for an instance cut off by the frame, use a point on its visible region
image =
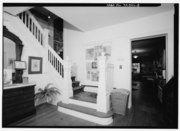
(73, 48)
(119, 36)
(31, 48)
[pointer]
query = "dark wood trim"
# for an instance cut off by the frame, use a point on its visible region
(17, 76)
(14, 38)
(90, 86)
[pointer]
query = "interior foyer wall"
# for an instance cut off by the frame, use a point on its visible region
(31, 48)
(119, 36)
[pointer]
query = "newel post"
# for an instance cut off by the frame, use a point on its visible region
(67, 90)
(103, 102)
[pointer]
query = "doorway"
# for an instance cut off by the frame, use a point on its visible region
(149, 65)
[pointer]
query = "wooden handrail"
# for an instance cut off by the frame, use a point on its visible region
(34, 27)
(55, 61)
(55, 54)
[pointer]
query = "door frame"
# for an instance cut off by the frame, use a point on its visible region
(147, 37)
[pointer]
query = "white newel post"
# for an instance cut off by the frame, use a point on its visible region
(103, 104)
(67, 90)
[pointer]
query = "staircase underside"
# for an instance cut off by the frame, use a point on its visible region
(86, 113)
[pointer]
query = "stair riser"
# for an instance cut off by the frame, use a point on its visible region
(82, 103)
(91, 89)
(94, 119)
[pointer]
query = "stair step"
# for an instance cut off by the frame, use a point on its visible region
(86, 110)
(75, 83)
(77, 88)
(82, 103)
(90, 86)
(73, 78)
(86, 113)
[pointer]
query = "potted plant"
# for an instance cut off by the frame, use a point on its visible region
(48, 94)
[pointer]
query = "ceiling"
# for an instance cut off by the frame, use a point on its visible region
(91, 18)
(14, 10)
(148, 47)
(43, 13)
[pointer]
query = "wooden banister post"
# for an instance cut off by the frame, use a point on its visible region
(103, 102)
(67, 90)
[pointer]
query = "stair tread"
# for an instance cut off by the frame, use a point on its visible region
(84, 100)
(78, 87)
(86, 110)
(90, 86)
(75, 81)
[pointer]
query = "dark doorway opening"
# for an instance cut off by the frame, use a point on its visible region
(149, 63)
(149, 75)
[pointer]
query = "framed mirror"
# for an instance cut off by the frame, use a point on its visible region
(12, 51)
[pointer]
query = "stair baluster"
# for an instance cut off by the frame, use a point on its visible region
(62, 67)
(34, 27)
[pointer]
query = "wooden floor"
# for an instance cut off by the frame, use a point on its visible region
(146, 112)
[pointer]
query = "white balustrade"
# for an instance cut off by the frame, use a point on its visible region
(34, 27)
(61, 66)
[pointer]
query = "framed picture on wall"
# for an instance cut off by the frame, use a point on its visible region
(20, 65)
(35, 65)
(90, 54)
(94, 65)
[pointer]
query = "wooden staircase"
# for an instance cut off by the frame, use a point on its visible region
(84, 104)
(99, 111)
(76, 86)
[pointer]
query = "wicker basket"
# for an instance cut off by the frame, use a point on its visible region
(119, 101)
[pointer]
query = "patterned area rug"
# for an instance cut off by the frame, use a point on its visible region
(86, 96)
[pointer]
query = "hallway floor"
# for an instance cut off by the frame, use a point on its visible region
(145, 113)
(146, 109)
